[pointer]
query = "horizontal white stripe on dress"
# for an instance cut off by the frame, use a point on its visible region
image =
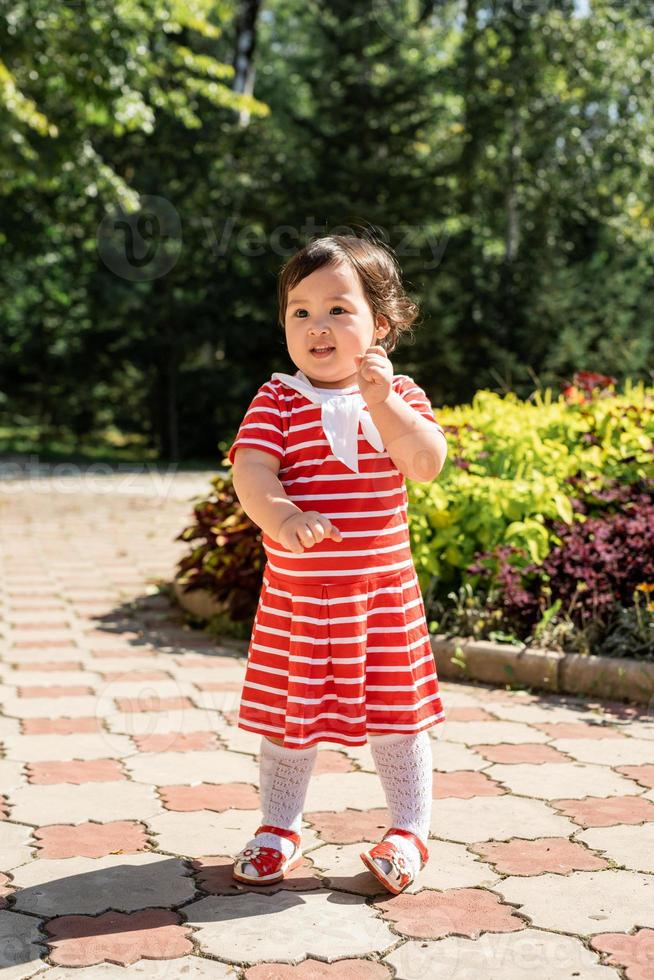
(330, 736)
(375, 532)
(341, 477)
(370, 570)
(325, 640)
(371, 707)
(341, 552)
(325, 697)
(342, 717)
(332, 599)
(287, 613)
(327, 714)
(255, 443)
(296, 679)
(318, 461)
(394, 491)
(266, 669)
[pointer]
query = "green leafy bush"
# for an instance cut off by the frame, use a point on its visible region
(519, 477)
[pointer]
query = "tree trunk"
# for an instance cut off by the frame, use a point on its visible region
(246, 39)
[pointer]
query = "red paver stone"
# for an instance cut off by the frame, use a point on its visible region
(120, 653)
(28, 605)
(314, 970)
(125, 636)
(53, 665)
(93, 840)
(463, 911)
(469, 714)
(209, 796)
(521, 752)
(31, 594)
(207, 661)
(44, 644)
(349, 826)
(577, 729)
(634, 953)
(533, 857)
(53, 691)
(214, 874)
(176, 742)
(464, 784)
(59, 726)
(133, 676)
(601, 811)
(220, 685)
(152, 703)
(76, 771)
(118, 937)
(40, 625)
(328, 760)
(4, 808)
(644, 775)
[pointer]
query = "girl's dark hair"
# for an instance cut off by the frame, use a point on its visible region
(379, 274)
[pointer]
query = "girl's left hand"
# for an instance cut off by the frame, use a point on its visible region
(375, 375)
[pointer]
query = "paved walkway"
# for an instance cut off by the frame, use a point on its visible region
(126, 789)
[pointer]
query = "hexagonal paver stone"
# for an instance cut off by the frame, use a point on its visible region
(612, 752)
(15, 844)
(496, 818)
(35, 748)
(185, 768)
(20, 948)
(42, 805)
(631, 846)
(499, 956)
(87, 886)
(551, 780)
(584, 902)
(287, 926)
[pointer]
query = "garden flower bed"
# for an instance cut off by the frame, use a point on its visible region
(537, 535)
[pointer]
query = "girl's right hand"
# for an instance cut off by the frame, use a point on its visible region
(301, 531)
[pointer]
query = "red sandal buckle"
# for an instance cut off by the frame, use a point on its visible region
(268, 828)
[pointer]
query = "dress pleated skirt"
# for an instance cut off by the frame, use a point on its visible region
(339, 661)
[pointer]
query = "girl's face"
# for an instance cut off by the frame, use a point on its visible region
(329, 309)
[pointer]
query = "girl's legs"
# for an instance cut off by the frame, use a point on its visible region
(405, 766)
(283, 782)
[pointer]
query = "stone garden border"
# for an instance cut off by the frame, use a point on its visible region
(462, 658)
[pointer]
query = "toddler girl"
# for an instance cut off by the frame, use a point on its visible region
(340, 648)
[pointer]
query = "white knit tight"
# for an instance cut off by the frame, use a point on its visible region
(404, 764)
(405, 767)
(283, 782)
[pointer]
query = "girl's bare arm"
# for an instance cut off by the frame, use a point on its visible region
(261, 495)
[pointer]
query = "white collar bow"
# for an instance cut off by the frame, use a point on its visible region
(340, 417)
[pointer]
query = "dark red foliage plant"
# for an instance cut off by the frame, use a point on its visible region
(228, 559)
(594, 568)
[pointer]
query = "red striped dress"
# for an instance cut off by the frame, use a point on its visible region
(340, 645)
